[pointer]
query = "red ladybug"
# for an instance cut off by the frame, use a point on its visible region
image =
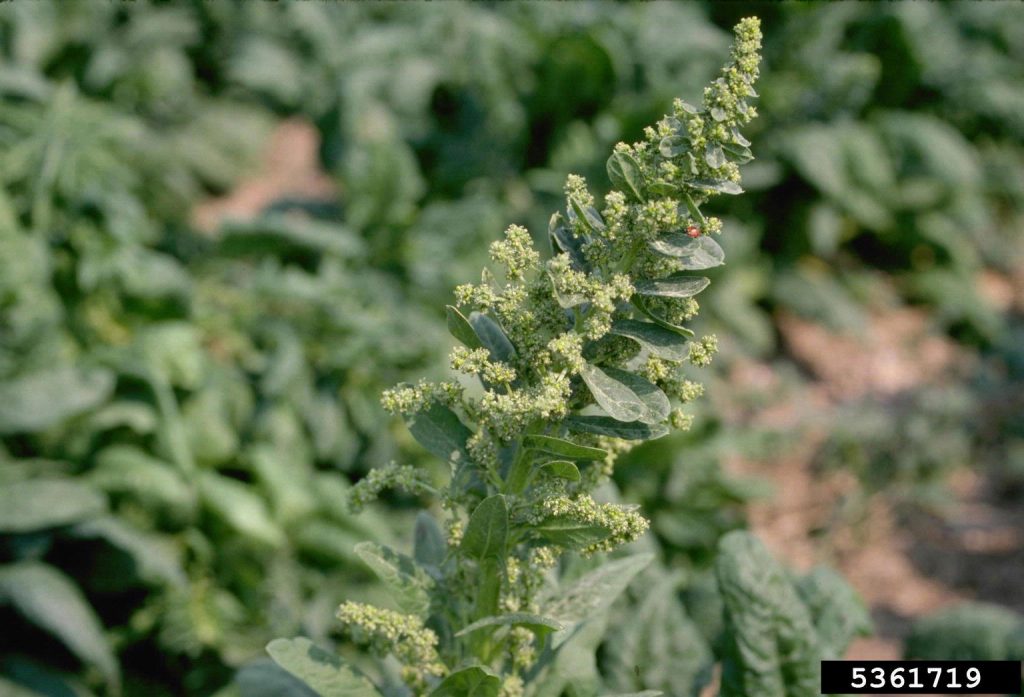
(693, 231)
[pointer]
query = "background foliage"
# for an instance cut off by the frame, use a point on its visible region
(181, 412)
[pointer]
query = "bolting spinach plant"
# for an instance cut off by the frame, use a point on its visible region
(563, 365)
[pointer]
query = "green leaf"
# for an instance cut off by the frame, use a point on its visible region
(658, 319)
(658, 341)
(967, 631)
(588, 214)
(487, 531)
(562, 469)
(625, 174)
(264, 678)
(535, 623)
(125, 469)
(569, 532)
(475, 681)
(673, 286)
(693, 253)
(429, 545)
(563, 448)
(236, 504)
(460, 328)
(156, 558)
(595, 590)
(408, 583)
(770, 642)
(320, 669)
(439, 430)
(673, 146)
(838, 613)
(714, 155)
(563, 240)
(655, 401)
(720, 186)
(51, 601)
(45, 398)
(492, 337)
(607, 426)
(35, 504)
(613, 395)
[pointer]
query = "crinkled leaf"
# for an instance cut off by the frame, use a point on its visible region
(838, 613)
(35, 504)
(492, 337)
(460, 328)
(439, 430)
(595, 590)
(607, 426)
(612, 395)
(475, 681)
(625, 174)
(45, 398)
(321, 670)
(408, 583)
(693, 253)
(563, 448)
(659, 341)
(673, 286)
(770, 641)
(486, 533)
(535, 623)
(51, 601)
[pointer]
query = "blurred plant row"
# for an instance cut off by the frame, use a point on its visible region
(182, 412)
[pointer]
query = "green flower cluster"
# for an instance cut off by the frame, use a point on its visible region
(566, 363)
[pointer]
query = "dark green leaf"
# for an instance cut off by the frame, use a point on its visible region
(658, 319)
(264, 678)
(588, 214)
(655, 401)
(659, 341)
(535, 623)
(625, 174)
(563, 240)
(46, 503)
(460, 328)
(563, 448)
(429, 546)
(487, 531)
(607, 426)
(612, 395)
(838, 613)
(408, 583)
(439, 430)
(562, 469)
(673, 286)
(156, 558)
(474, 681)
(569, 532)
(237, 505)
(693, 253)
(45, 398)
(492, 337)
(320, 669)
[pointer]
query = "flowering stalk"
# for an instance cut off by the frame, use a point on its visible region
(564, 364)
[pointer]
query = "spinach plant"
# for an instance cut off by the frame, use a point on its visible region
(563, 365)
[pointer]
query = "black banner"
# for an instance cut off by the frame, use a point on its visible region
(921, 677)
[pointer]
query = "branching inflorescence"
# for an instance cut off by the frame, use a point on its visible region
(563, 365)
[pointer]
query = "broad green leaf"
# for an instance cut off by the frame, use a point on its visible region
(563, 448)
(658, 319)
(535, 623)
(838, 613)
(562, 469)
(673, 146)
(36, 504)
(714, 155)
(570, 532)
(408, 583)
(45, 398)
(264, 678)
(156, 558)
(492, 337)
(673, 286)
(625, 174)
(659, 341)
(595, 590)
(236, 504)
(612, 395)
(125, 469)
(440, 431)
(320, 669)
(51, 601)
(486, 533)
(429, 545)
(562, 240)
(770, 641)
(588, 214)
(460, 328)
(607, 426)
(475, 681)
(692, 253)
(650, 395)
(967, 631)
